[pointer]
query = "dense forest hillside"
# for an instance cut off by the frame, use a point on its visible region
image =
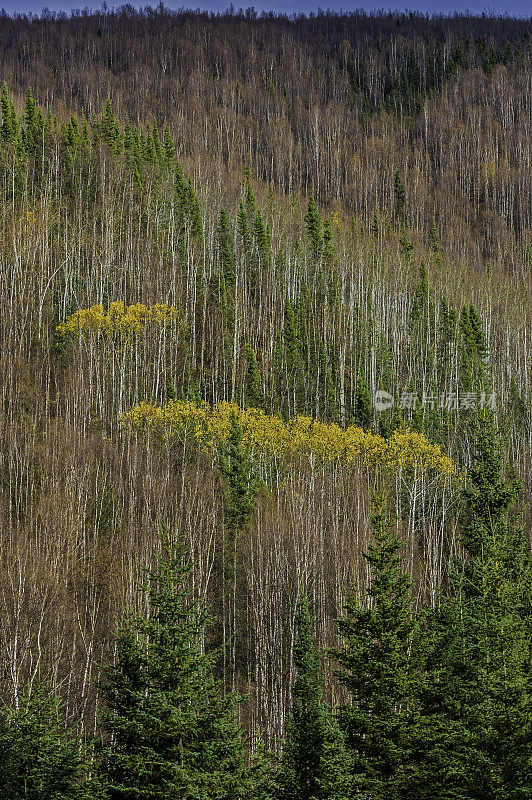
(224, 236)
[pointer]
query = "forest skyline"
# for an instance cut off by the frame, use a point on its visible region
(513, 9)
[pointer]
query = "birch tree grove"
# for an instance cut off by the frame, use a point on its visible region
(226, 239)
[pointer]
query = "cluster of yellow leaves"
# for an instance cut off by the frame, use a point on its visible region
(337, 221)
(119, 318)
(270, 435)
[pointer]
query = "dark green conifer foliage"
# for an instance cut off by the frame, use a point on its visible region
(240, 486)
(363, 406)
(226, 250)
(375, 665)
(179, 185)
(477, 702)
(473, 350)
(315, 764)
(149, 147)
(168, 144)
(253, 393)
(375, 225)
(400, 192)
(39, 756)
(435, 243)
(293, 373)
(110, 131)
(170, 732)
(314, 229)
(406, 245)
(240, 481)
(5, 104)
(171, 393)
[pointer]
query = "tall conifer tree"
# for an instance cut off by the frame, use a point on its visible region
(314, 229)
(477, 702)
(39, 755)
(376, 666)
(315, 764)
(169, 731)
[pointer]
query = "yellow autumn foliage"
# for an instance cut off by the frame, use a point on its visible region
(119, 319)
(271, 436)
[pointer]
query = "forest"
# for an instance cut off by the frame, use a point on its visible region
(265, 406)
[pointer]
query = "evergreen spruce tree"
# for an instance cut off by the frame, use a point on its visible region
(477, 700)
(169, 731)
(294, 375)
(435, 243)
(5, 104)
(468, 351)
(110, 131)
(240, 482)
(314, 229)
(171, 393)
(168, 144)
(240, 486)
(400, 192)
(227, 251)
(406, 245)
(363, 407)
(179, 186)
(375, 225)
(39, 755)
(377, 667)
(315, 764)
(480, 346)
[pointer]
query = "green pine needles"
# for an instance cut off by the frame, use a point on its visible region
(376, 666)
(39, 755)
(315, 764)
(170, 732)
